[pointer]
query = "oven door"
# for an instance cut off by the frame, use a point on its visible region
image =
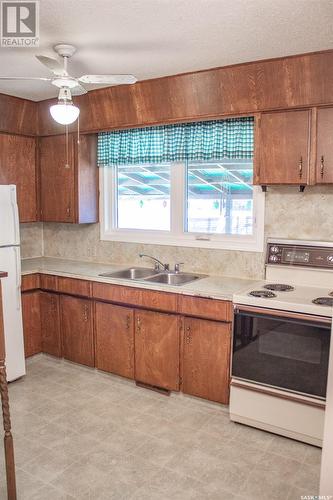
(280, 349)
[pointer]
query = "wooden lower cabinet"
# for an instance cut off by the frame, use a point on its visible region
(157, 349)
(206, 359)
(77, 329)
(31, 323)
(114, 329)
(50, 323)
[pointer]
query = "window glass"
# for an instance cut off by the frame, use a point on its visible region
(220, 197)
(143, 196)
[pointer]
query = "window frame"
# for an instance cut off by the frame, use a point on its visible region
(176, 236)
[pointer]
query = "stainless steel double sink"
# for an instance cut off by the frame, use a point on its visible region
(152, 276)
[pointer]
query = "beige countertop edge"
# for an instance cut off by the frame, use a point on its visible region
(205, 287)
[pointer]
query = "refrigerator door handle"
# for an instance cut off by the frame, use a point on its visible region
(15, 218)
(18, 277)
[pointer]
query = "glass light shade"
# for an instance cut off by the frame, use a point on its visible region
(64, 113)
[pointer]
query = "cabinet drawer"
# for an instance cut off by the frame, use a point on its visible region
(160, 301)
(48, 282)
(72, 286)
(220, 310)
(30, 282)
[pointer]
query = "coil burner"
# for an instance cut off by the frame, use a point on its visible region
(262, 293)
(324, 301)
(279, 287)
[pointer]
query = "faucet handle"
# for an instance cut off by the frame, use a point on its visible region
(177, 266)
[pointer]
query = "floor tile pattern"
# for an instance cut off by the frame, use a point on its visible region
(84, 434)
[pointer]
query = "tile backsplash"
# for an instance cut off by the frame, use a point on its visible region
(288, 214)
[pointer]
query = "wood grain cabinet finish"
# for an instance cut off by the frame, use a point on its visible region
(31, 323)
(220, 310)
(150, 299)
(77, 329)
(69, 179)
(73, 286)
(157, 349)
(324, 142)
(49, 282)
(50, 323)
(283, 148)
(30, 282)
(18, 166)
(114, 330)
(206, 359)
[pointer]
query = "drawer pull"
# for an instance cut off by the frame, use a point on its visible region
(300, 167)
(322, 166)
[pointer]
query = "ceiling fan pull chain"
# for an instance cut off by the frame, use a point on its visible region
(78, 129)
(66, 140)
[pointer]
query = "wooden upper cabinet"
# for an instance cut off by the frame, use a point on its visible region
(324, 158)
(69, 179)
(157, 349)
(114, 328)
(206, 359)
(77, 329)
(18, 166)
(282, 148)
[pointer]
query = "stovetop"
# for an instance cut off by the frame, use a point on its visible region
(297, 299)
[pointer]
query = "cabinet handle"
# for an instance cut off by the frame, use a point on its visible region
(322, 166)
(68, 211)
(128, 321)
(188, 336)
(138, 325)
(300, 167)
(85, 313)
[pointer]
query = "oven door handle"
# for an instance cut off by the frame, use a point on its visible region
(282, 314)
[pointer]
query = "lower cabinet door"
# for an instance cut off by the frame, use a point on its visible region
(157, 349)
(206, 359)
(31, 323)
(50, 322)
(114, 328)
(77, 330)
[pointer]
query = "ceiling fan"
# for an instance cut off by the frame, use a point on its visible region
(65, 112)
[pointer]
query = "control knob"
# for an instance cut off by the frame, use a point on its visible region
(330, 259)
(274, 249)
(273, 258)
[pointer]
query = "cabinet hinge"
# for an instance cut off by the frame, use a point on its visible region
(180, 380)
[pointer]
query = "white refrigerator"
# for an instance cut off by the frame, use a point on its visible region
(10, 262)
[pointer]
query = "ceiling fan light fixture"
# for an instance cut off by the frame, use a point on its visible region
(64, 112)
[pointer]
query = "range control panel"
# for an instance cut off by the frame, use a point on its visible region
(299, 255)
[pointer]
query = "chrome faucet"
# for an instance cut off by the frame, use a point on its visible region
(158, 263)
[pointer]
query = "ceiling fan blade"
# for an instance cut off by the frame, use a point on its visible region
(108, 79)
(25, 78)
(78, 90)
(52, 64)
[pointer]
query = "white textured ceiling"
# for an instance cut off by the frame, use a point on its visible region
(151, 38)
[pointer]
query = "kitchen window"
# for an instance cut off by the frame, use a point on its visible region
(208, 203)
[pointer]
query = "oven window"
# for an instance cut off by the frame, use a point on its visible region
(284, 353)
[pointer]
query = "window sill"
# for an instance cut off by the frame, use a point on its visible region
(239, 243)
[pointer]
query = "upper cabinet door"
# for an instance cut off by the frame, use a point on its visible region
(282, 149)
(57, 179)
(18, 166)
(69, 179)
(324, 161)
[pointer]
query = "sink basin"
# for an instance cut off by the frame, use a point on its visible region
(133, 273)
(174, 278)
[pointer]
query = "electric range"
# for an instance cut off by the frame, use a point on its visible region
(281, 342)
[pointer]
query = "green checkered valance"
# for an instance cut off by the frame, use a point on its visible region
(211, 140)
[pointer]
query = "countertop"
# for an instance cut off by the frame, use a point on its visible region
(215, 287)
